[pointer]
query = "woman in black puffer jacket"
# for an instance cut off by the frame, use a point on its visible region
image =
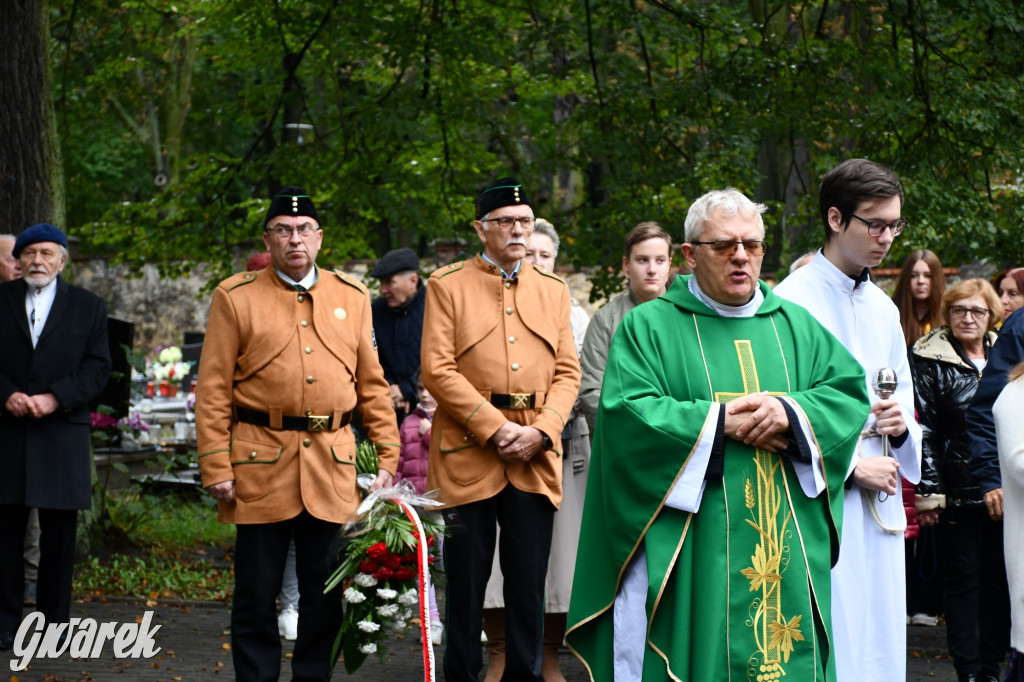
(947, 364)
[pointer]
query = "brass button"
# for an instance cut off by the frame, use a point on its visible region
(309, 379)
(515, 366)
(252, 455)
(465, 439)
(304, 323)
(508, 311)
(508, 285)
(307, 442)
(511, 339)
(301, 298)
(308, 350)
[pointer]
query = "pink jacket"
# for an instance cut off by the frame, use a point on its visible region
(412, 464)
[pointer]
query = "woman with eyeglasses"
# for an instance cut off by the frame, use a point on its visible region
(947, 364)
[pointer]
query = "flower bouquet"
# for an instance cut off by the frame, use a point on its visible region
(168, 369)
(384, 569)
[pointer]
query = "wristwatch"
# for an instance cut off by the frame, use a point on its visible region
(546, 441)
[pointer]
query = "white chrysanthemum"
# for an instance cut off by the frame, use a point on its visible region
(409, 597)
(365, 580)
(385, 593)
(353, 596)
(406, 614)
(388, 611)
(370, 648)
(367, 625)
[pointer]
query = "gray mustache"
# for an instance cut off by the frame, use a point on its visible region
(516, 240)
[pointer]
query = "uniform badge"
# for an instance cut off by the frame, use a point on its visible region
(340, 313)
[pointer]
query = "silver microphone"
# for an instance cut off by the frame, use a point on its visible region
(884, 385)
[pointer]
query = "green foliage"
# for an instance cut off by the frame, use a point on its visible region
(611, 113)
(177, 541)
(153, 576)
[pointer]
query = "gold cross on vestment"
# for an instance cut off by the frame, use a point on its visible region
(766, 569)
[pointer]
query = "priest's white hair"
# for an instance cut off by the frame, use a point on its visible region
(724, 202)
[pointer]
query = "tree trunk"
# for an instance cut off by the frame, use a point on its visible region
(31, 178)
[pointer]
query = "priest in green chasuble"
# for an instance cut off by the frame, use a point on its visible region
(727, 421)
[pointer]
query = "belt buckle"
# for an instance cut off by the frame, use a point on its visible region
(519, 401)
(316, 422)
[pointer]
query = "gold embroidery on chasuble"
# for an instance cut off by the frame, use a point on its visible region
(774, 634)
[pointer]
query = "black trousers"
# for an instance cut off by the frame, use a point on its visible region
(924, 573)
(526, 520)
(260, 554)
(56, 564)
(977, 601)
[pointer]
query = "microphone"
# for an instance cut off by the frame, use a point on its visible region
(885, 383)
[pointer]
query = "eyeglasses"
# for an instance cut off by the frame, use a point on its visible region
(959, 311)
(506, 222)
(727, 247)
(285, 232)
(876, 227)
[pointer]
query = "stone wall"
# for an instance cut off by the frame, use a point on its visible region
(164, 309)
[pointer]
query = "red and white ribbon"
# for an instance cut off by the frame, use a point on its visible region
(423, 585)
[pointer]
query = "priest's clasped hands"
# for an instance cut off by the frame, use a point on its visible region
(758, 419)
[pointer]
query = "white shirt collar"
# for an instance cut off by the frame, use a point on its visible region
(307, 282)
(828, 273)
(38, 303)
(746, 310)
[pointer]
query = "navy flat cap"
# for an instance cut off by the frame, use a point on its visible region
(43, 232)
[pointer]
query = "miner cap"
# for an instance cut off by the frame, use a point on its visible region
(43, 232)
(393, 262)
(292, 201)
(503, 192)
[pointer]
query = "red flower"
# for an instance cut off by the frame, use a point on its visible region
(404, 573)
(368, 567)
(377, 552)
(430, 541)
(430, 560)
(409, 558)
(383, 573)
(392, 561)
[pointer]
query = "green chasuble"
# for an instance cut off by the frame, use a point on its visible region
(740, 589)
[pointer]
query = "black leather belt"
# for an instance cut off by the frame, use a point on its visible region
(310, 422)
(514, 401)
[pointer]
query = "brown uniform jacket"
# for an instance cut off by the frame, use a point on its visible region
(273, 349)
(483, 335)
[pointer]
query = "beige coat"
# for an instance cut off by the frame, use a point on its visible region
(483, 335)
(273, 349)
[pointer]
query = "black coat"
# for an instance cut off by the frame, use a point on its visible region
(45, 462)
(398, 332)
(945, 380)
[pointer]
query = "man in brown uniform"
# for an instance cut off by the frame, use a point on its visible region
(499, 357)
(289, 354)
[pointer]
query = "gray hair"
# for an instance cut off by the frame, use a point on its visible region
(541, 226)
(5, 237)
(726, 203)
